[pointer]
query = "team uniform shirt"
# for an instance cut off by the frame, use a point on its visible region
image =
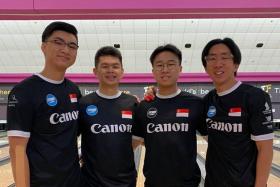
(168, 127)
(46, 112)
(107, 153)
(236, 119)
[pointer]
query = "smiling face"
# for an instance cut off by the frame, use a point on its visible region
(109, 71)
(220, 66)
(166, 69)
(57, 55)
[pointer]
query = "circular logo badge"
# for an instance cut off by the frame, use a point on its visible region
(91, 110)
(211, 111)
(152, 112)
(51, 100)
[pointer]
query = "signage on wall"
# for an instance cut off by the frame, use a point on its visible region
(272, 89)
(199, 89)
(4, 92)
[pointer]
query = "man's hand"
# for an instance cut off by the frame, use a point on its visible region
(150, 93)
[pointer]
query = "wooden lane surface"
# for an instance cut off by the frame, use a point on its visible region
(4, 151)
(6, 175)
(276, 158)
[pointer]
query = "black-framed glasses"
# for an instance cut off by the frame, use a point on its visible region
(61, 43)
(169, 66)
(215, 58)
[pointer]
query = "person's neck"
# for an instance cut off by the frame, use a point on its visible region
(109, 91)
(53, 74)
(226, 86)
(167, 90)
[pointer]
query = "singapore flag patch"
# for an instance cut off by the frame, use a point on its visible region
(126, 114)
(73, 98)
(236, 111)
(182, 112)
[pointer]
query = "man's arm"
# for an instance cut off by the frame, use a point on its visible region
(19, 160)
(136, 143)
(264, 160)
(205, 138)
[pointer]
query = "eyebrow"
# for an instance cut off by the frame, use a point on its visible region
(71, 42)
(107, 64)
(170, 60)
(223, 53)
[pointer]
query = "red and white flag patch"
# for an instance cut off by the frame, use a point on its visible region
(234, 111)
(127, 114)
(182, 112)
(73, 98)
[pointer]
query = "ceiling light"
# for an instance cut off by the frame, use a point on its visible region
(117, 46)
(259, 45)
(188, 45)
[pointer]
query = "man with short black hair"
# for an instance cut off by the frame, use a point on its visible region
(239, 121)
(42, 116)
(167, 125)
(106, 120)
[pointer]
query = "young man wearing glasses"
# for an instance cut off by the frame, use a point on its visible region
(239, 121)
(167, 125)
(42, 116)
(106, 120)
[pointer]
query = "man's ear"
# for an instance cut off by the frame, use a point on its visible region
(43, 47)
(236, 66)
(94, 70)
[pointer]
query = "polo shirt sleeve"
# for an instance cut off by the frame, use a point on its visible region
(260, 115)
(20, 112)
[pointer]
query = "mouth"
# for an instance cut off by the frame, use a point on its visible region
(111, 77)
(63, 57)
(218, 73)
(165, 77)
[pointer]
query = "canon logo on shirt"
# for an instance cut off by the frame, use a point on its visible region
(97, 128)
(221, 126)
(167, 127)
(64, 117)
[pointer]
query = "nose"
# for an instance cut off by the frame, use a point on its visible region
(219, 62)
(110, 69)
(165, 67)
(65, 48)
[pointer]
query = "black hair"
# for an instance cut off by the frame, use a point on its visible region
(107, 51)
(59, 26)
(168, 47)
(234, 49)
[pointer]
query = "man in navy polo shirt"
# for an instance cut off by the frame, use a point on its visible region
(42, 116)
(239, 120)
(106, 120)
(167, 126)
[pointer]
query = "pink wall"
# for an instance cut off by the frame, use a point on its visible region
(117, 9)
(148, 78)
(9, 5)
(153, 4)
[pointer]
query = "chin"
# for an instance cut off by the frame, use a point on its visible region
(64, 65)
(166, 84)
(217, 79)
(111, 83)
